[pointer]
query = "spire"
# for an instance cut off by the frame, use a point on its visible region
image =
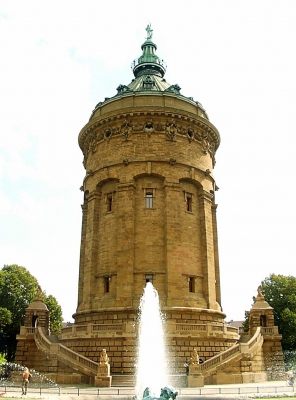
(148, 63)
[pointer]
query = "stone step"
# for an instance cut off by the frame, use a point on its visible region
(177, 381)
(123, 380)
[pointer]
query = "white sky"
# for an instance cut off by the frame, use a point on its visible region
(60, 58)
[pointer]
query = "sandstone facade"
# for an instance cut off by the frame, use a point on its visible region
(149, 214)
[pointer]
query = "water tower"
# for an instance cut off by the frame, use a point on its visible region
(149, 213)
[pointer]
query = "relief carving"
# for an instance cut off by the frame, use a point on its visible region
(108, 133)
(193, 130)
(149, 127)
(171, 129)
(126, 129)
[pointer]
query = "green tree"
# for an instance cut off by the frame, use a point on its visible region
(246, 323)
(5, 318)
(280, 292)
(55, 310)
(18, 288)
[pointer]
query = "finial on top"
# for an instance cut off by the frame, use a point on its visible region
(149, 31)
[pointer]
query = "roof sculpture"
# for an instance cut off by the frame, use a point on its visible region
(149, 71)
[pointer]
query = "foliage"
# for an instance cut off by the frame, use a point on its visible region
(55, 313)
(246, 323)
(5, 317)
(280, 292)
(18, 288)
(2, 358)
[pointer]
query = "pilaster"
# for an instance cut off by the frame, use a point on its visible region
(216, 253)
(91, 247)
(173, 244)
(125, 244)
(207, 249)
(82, 252)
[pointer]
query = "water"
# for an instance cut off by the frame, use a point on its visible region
(152, 366)
(9, 370)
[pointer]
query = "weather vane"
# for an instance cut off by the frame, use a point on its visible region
(149, 31)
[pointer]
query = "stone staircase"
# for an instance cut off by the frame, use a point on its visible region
(123, 380)
(245, 348)
(69, 357)
(177, 381)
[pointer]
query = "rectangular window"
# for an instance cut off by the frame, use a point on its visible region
(149, 278)
(109, 201)
(188, 200)
(191, 284)
(107, 280)
(149, 194)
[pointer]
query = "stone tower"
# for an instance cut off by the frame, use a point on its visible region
(149, 215)
(149, 211)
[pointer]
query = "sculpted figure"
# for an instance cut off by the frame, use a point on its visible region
(149, 31)
(104, 359)
(166, 393)
(195, 358)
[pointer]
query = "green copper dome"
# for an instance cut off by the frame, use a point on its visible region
(149, 71)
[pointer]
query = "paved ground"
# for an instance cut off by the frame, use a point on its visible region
(277, 389)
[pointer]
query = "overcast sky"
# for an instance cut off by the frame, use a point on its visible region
(60, 58)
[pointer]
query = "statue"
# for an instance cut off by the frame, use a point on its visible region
(166, 393)
(39, 294)
(195, 358)
(149, 31)
(104, 359)
(103, 378)
(259, 290)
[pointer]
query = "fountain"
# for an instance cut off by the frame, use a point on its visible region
(152, 365)
(10, 375)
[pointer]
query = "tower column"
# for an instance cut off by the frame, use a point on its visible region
(125, 244)
(82, 252)
(216, 255)
(207, 249)
(89, 269)
(173, 244)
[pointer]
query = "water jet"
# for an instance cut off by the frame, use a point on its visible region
(152, 365)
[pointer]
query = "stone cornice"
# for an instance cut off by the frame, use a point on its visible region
(150, 122)
(176, 164)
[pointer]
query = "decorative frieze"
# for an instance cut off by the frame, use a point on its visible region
(125, 125)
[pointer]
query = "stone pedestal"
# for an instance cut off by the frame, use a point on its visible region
(195, 380)
(103, 381)
(103, 378)
(195, 377)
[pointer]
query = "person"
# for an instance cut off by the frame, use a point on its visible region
(26, 376)
(186, 365)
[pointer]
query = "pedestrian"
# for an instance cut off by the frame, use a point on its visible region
(26, 376)
(186, 365)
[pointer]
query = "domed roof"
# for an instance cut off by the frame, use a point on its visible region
(38, 303)
(149, 71)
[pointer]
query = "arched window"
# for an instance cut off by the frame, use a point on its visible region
(262, 320)
(34, 321)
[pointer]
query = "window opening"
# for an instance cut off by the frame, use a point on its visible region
(107, 280)
(149, 278)
(262, 320)
(149, 198)
(188, 199)
(191, 284)
(109, 201)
